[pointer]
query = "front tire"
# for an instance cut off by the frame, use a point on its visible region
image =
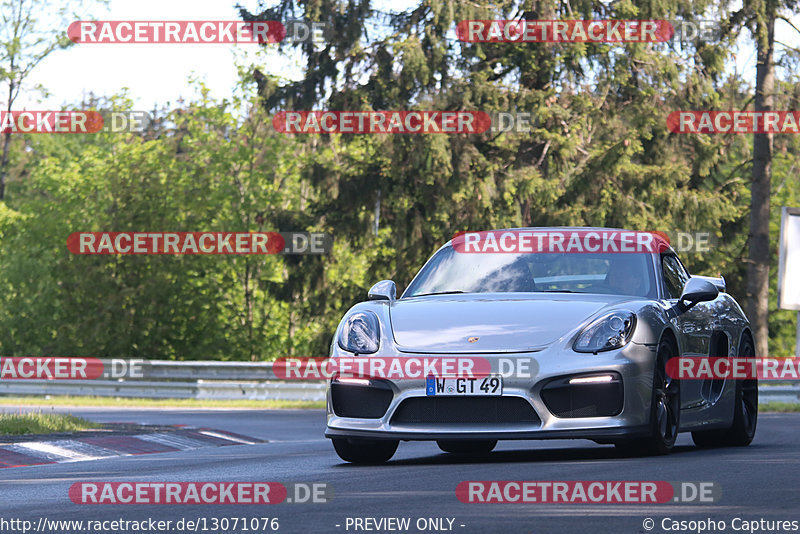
(665, 409)
(365, 451)
(472, 446)
(745, 412)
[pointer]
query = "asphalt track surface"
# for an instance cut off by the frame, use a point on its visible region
(759, 481)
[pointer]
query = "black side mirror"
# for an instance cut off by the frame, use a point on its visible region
(696, 290)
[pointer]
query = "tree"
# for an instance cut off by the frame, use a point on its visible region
(760, 17)
(760, 190)
(206, 168)
(598, 153)
(25, 41)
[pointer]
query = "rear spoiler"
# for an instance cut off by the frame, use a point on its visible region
(719, 283)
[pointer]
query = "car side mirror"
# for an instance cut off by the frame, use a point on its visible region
(383, 290)
(719, 281)
(697, 290)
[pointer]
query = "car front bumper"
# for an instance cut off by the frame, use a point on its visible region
(527, 408)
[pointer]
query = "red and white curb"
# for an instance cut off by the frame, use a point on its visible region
(79, 449)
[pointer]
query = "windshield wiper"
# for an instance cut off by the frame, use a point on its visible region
(557, 291)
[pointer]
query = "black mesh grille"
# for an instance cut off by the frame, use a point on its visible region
(465, 410)
(370, 402)
(583, 400)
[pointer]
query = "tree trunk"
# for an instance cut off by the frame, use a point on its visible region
(6, 138)
(4, 164)
(759, 253)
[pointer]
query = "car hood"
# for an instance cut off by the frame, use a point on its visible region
(501, 323)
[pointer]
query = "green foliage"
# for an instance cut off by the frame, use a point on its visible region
(599, 153)
(208, 171)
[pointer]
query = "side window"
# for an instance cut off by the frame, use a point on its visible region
(675, 276)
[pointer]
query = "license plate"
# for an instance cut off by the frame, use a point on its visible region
(481, 386)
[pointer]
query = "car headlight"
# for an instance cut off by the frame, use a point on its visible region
(360, 333)
(611, 331)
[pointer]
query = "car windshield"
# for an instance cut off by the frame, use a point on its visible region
(450, 272)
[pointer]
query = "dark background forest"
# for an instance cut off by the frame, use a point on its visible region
(599, 154)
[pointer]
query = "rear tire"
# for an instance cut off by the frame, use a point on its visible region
(365, 451)
(472, 446)
(665, 409)
(745, 412)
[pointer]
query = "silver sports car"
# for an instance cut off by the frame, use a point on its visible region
(574, 344)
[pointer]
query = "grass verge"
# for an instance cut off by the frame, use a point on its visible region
(160, 403)
(778, 407)
(41, 423)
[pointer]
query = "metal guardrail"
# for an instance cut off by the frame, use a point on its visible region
(210, 370)
(168, 390)
(164, 379)
(789, 394)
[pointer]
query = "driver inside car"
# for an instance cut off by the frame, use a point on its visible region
(622, 278)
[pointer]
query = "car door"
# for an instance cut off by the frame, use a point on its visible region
(695, 326)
